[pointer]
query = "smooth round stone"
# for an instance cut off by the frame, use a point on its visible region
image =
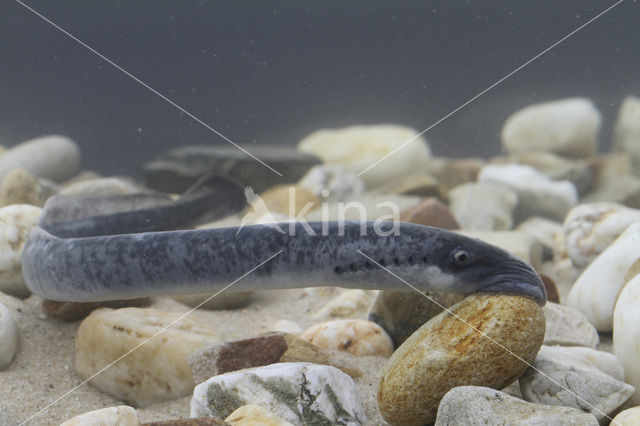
(626, 131)
(16, 222)
(567, 126)
(447, 352)
(21, 187)
(359, 147)
(459, 171)
(101, 187)
(332, 183)
(590, 228)
(347, 304)
(626, 334)
(8, 337)
(431, 212)
(357, 337)
(594, 292)
(483, 206)
(255, 415)
(402, 312)
(121, 415)
(50, 157)
(628, 417)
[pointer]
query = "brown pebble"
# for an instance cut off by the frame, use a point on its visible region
(430, 212)
(552, 289)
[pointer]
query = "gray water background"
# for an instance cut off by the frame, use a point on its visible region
(272, 71)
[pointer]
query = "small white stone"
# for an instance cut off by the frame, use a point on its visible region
(332, 182)
(347, 304)
(121, 415)
(287, 326)
(50, 157)
(359, 147)
(537, 194)
(628, 417)
(568, 126)
(626, 333)
(585, 358)
(626, 131)
(568, 327)
(8, 337)
(99, 187)
(298, 392)
(358, 337)
(547, 232)
(595, 291)
(16, 222)
(483, 206)
(255, 415)
(156, 368)
(591, 228)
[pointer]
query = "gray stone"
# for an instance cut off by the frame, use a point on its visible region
(300, 393)
(178, 169)
(51, 157)
(550, 381)
(477, 405)
(483, 206)
(626, 131)
(585, 358)
(568, 327)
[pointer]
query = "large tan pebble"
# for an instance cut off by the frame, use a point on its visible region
(16, 222)
(359, 147)
(121, 415)
(157, 345)
(487, 342)
(348, 304)
(358, 337)
(255, 415)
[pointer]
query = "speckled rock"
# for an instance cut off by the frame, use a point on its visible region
(121, 415)
(401, 312)
(537, 194)
(16, 222)
(571, 382)
(159, 342)
(74, 311)
(476, 406)
(626, 333)
(446, 352)
(50, 157)
(347, 304)
(332, 183)
(483, 206)
(224, 300)
(595, 291)
(359, 147)
(255, 415)
(431, 212)
(358, 337)
(21, 187)
(300, 393)
(626, 131)
(8, 337)
(567, 126)
(568, 327)
(590, 228)
(628, 417)
(101, 187)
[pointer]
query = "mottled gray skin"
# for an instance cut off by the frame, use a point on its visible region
(196, 261)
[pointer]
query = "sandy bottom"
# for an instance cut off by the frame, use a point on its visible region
(38, 386)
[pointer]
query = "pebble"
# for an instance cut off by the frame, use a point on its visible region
(253, 352)
(594, 292)
(623, 189)
(628, 417)
(121, 415)
(568, 327)
(590, 228)
(101, 187)
(75, 311)
(568, 126)
(255, 415)
(445, 353)
(626, 131)
(370, 206)
(287, 326)
(225, 300)
(16, 222)
(300, 393)
(626, 334)
(21, 187)
(430, 212)
(557, 379)
(291, 201)
(537, 194)
(479, 406)
(51, 157)
(548, 233)
(8, 337)
(332, 183)
(359, 147)
(401, 312)
(420, 184)
(347, 304)
(519, 243)
(483, 206)
(585, 358)
(155, 370)
(194, 421)
(456, 172)
(355, 336)
(176, 170)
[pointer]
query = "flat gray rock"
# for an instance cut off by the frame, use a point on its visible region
(568, 327)
(477, 405)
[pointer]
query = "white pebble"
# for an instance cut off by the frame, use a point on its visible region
(332, 182)
(8, 337)
(357, 337)
(626, 132)
(51, 157)
(626, 333)
(121, 415)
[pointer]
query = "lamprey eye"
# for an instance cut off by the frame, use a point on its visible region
(461, 257)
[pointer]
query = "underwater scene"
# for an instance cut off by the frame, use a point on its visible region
(319, 213)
